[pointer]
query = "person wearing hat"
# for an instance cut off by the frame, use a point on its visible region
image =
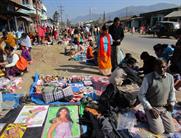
(27, 41)
(117, 34)
(8, 39)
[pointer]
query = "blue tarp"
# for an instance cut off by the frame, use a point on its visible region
(38, 99)
(12, 97)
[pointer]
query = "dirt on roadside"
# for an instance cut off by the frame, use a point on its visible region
(50, 60)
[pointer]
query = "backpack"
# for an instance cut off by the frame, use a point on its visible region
(22, 63)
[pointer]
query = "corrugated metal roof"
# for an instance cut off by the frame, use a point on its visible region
(174, 14)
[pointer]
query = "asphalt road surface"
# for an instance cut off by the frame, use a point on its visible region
(139, 43)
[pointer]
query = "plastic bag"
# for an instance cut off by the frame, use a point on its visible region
(126, 120)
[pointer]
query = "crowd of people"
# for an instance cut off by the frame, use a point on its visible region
(158, 77)
(13, 63)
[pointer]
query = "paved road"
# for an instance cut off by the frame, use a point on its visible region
(138, 43)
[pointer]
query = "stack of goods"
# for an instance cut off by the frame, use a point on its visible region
(72, 89)
(100, 84)
(53, 88)
(10, 86)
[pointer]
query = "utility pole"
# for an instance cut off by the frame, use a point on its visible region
(126, 12)
(104, 17)
(61, 13)
(90, 14)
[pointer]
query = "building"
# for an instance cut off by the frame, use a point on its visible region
(38, 12)
(9, 14)
(174, 16)
(151, 18)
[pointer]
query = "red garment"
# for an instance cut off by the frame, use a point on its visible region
(102, 45)
(41, 31)
(55, 35)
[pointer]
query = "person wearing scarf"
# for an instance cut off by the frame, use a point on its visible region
(104, 52)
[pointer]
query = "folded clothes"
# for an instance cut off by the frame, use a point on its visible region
(10, 86)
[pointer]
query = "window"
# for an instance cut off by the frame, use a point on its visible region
(25, 1)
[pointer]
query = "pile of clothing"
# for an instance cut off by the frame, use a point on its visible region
(10, 86)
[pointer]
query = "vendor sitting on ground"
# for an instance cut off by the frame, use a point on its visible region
(9, 39)
(90, 53)
(131, 69)
(148, 63)
(157, 95)
(164, 51)
(12, 66)
(127, 56)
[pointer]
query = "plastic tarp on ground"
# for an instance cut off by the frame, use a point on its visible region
(38, 99)
(12, 97)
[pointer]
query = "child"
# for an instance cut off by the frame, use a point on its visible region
(25, 52)
(89, 54)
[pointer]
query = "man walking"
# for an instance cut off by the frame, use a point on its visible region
(157, 94)
(117, 34)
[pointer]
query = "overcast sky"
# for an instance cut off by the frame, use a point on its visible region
(74, 8)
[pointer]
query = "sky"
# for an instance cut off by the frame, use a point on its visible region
(74, 8)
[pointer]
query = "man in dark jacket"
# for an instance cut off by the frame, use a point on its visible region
(176, 58)
(117, 34)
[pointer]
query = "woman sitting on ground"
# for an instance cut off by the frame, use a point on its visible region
(90, 53)
(12, 66)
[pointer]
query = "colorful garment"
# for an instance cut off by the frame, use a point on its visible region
(10, 40)
(11, 69)
(26, 54)
(104, 54)
(167, 53)
(89, 54)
